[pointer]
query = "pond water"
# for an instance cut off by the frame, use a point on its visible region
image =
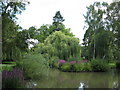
(58, 79)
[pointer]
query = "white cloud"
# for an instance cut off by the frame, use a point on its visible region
(41, 12)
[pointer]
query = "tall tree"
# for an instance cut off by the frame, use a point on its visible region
(8, 12)
(94, 24)
(57, 21)
(102, 30)
(113, 24)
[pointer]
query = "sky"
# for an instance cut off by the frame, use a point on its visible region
(40, 12)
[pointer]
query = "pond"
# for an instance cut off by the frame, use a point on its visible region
(58, 79)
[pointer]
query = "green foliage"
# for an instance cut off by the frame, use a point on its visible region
(56, 65)
(53, 60)
(112, 65)
(45, 30)
(78, 67)
(10, 35)
(99, 65)
(34, 66)
(12, 8)
(7, 66)
(58, 19)
(101, 39)
(72, 58)
(82, 67)
(60, 45)
(66, 67)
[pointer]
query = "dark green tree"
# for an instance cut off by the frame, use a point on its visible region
(102, 34)
(8, 12)
(57, 21)
(113, 24)
(94, 25)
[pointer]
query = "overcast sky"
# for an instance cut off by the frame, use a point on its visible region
(40, 12)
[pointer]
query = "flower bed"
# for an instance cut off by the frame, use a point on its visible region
(12, 79)
(72, 66)
(81, 65)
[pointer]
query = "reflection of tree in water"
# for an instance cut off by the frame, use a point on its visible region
(118, 73)
(116, 83)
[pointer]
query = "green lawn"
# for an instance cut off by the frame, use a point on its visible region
(7, 66)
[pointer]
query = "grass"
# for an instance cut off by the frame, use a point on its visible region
(7, 66)
(10, 62)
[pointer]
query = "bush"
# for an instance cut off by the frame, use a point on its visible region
(56, 65)
(82, 67)
(34, 66)
(87, 67)
(66, 67)
(118, 65)
(52, 61)
(77, 67)
(99, 65)
(12, 79)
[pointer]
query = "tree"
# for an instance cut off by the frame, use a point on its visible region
(57, 21)
(11, 8)
(113, 24)
(60, 45)
(45, 30)
(8, 12)
(102, 31)
(94, 25)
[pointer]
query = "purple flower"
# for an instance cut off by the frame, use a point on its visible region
(12, 74)
(62, 61)
(72, 62)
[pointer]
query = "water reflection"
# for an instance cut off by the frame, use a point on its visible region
(58, 79)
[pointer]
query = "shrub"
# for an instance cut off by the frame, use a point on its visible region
(99, 65)
(56, 65)
(118, 65)
(82, 67)
(53, 60)
(87, 67)
(12, 79)
(34, 66)
(66, 67)
(78, 67)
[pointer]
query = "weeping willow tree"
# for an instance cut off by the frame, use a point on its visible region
(60, 45)
(9, 32)
(10, 39)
